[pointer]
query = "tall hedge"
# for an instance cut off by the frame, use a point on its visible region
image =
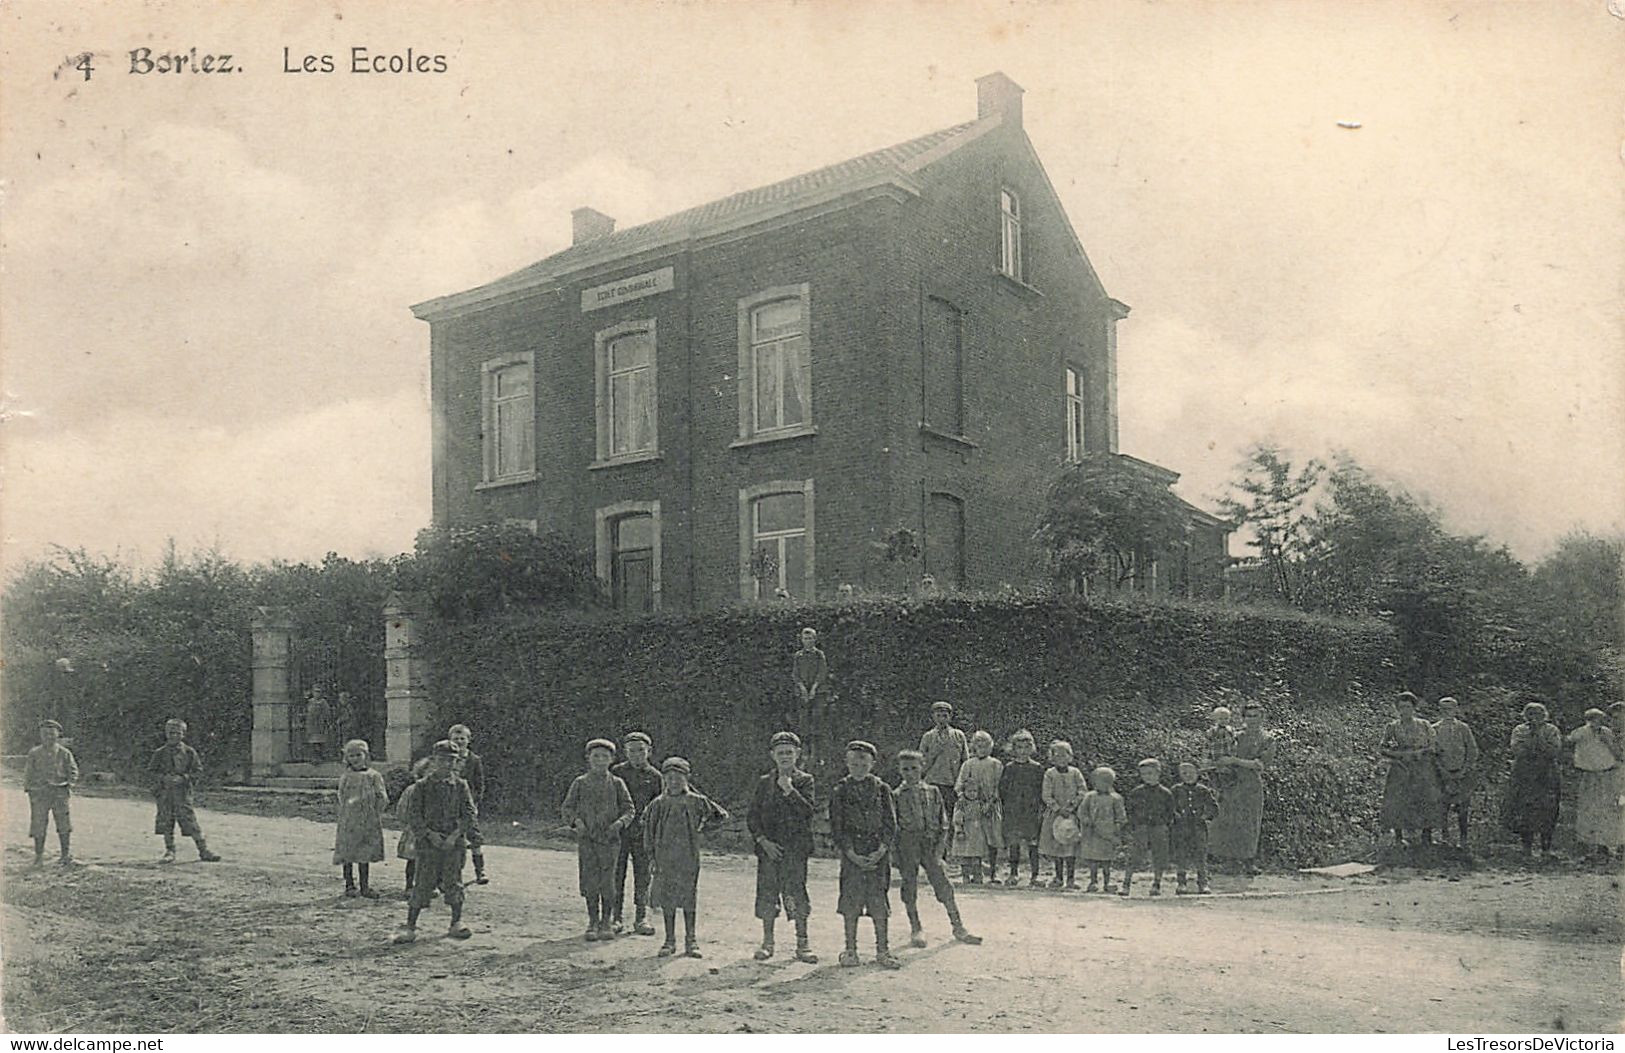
(1120, 680)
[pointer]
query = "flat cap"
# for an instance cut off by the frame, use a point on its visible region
(862, 747)
(50, 724)
(780, 738)
(1151, 762)
(949, 706)
(443, 748)
(675, 764)
(904, 755)
(601, 744)
(638, 736)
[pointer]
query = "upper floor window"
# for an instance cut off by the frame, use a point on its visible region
(508, 420)
(1010, 235)
(944, 367)
(776, 541)
(626, 391)
(775, 364)
(1074, 415)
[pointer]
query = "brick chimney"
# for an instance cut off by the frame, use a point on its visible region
(587, 224)
(998, 95)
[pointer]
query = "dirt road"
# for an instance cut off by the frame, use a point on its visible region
(263, 942)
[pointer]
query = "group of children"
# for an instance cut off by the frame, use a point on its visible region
(51, 772)
(1057, 812)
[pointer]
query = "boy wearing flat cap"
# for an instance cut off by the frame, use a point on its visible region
(945, 750)
(780, 825)
(440, 815)
(643, 781)
(598, 807)
(671, 837)
(48, 780)
(923, 833)
(863, 824)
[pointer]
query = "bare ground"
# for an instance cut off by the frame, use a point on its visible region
(264, 942)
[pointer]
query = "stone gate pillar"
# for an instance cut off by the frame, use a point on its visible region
(272, 633)
(405, 693)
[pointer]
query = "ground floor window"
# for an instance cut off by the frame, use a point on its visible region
(628, 551)
(776, 541)
(945, 540)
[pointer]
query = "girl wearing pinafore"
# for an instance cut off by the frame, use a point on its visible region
(1063, 788)
(359, 839)
(978, 819)
(1102, 817)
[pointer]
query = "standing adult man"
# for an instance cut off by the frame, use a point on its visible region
(945, 749)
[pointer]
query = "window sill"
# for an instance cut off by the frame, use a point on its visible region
(508, 480)
(773, 436)
(1018, 285)
(641, 457)
(948, 437)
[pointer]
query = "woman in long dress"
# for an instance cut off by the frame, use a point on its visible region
(1596, 792)
(1234, 834)
(1411, 799)
(1529, 807)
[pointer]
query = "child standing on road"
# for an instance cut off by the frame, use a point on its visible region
(48, 780)
(643, 783)
(440, 813)
(1195, 805)
(175, 768)
(359, 840)
(1021, 805)
(780, 825)
(863, 825)
(922, 841)
(598, 807)
(978, 826)
(671, 836)
(1062, 791)
(1101, 818)
(472, 770)
(1150, 809)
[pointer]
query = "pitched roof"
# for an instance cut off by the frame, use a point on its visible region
(893, 163)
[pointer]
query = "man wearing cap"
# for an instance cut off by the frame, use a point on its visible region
(48, 779)
(643, 782)
(809, 670)
(780, 823)
(440, 815)
(598, 807)
(945, 749)
(863, 824)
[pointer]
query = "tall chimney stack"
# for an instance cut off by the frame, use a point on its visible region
(587, 224)
(998, 95)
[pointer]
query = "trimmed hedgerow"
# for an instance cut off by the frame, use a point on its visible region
(1121, 680)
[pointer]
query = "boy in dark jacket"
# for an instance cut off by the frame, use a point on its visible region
(175, 768)
(441, 815)
(780, 825)
(643, 782)
(863, 824)
(1195, 805)
(1150, 809)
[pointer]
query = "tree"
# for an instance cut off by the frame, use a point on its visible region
(473, 571)
(1104, 517)
(1272, 499)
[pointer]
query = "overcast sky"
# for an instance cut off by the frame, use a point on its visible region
(204, 325)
